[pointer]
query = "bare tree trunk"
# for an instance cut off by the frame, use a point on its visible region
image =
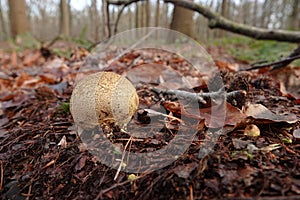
(4, 36)
(147, 13)
(157, 14)
(105, 30)
(130, 18)
(19, 23)
(142, 14)
(182, 21)
(64, 18)
(95, 20)
(294, 17)
(165, 15)
(137, 13)
(224, 14)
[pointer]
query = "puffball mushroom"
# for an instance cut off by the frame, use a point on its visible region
(103, 98)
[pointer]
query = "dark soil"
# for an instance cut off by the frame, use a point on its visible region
(34, 119)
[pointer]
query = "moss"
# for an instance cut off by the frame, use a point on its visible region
(63, 108)
(250, 50)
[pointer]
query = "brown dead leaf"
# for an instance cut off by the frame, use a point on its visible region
(45, 93)
(56, 67)
(81, 163)
(222, 116)
(239, 144)
(233, 67)
(21, 79)
(48, 78)
(6, 96)
(296, 134)
(30, 58)
(14, 59)
(146, 73)
(289, 78)
(184, 171)
(258, 111)
(215, 117)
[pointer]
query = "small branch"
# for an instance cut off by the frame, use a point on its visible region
(122, 2)
(200, 97)
(123, 156)
(217, 21)
(119, 3)
(281, 63)
(118, 19)
(294, 54)
(108, 19)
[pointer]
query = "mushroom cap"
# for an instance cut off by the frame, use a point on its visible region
(103, 98)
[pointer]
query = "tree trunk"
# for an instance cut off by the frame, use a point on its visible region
(182, 21)
(105, 19)
(19, 23)
(64, 18)
(224, 8)
(137, 13)
(157, 13)
(130, 18)
(95, 20)
(165, 15)
(3, 28)
(294, 17)
(142, 14)
(147, 13)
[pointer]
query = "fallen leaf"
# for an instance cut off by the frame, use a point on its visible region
(222, 115)
(48, 78)
(63, 142)
(258, 111)
(21, 79)
(30, 58)
(233, 67)
(239, 144)
(81, 163)
(184, 171)
(296, 134)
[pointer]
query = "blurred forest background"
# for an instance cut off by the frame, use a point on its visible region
(89, 19)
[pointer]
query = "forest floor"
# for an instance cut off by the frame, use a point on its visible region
(42, 156)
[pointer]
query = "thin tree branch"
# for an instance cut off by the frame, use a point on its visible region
(294, 55)
(122, 2)
(281, 63)
(118, 19)
(119, 3)
(217, 21)
(201, 97)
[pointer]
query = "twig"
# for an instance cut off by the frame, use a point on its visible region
(117, 185)
(125, 4)
(118, 18)
(123, 155)
(58, 37)
(285, 61)
(200, 97)
(122, 2)
(29, 192)
(296, 52)
(2, 174)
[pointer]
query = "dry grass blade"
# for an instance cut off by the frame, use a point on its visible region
(123, 156)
